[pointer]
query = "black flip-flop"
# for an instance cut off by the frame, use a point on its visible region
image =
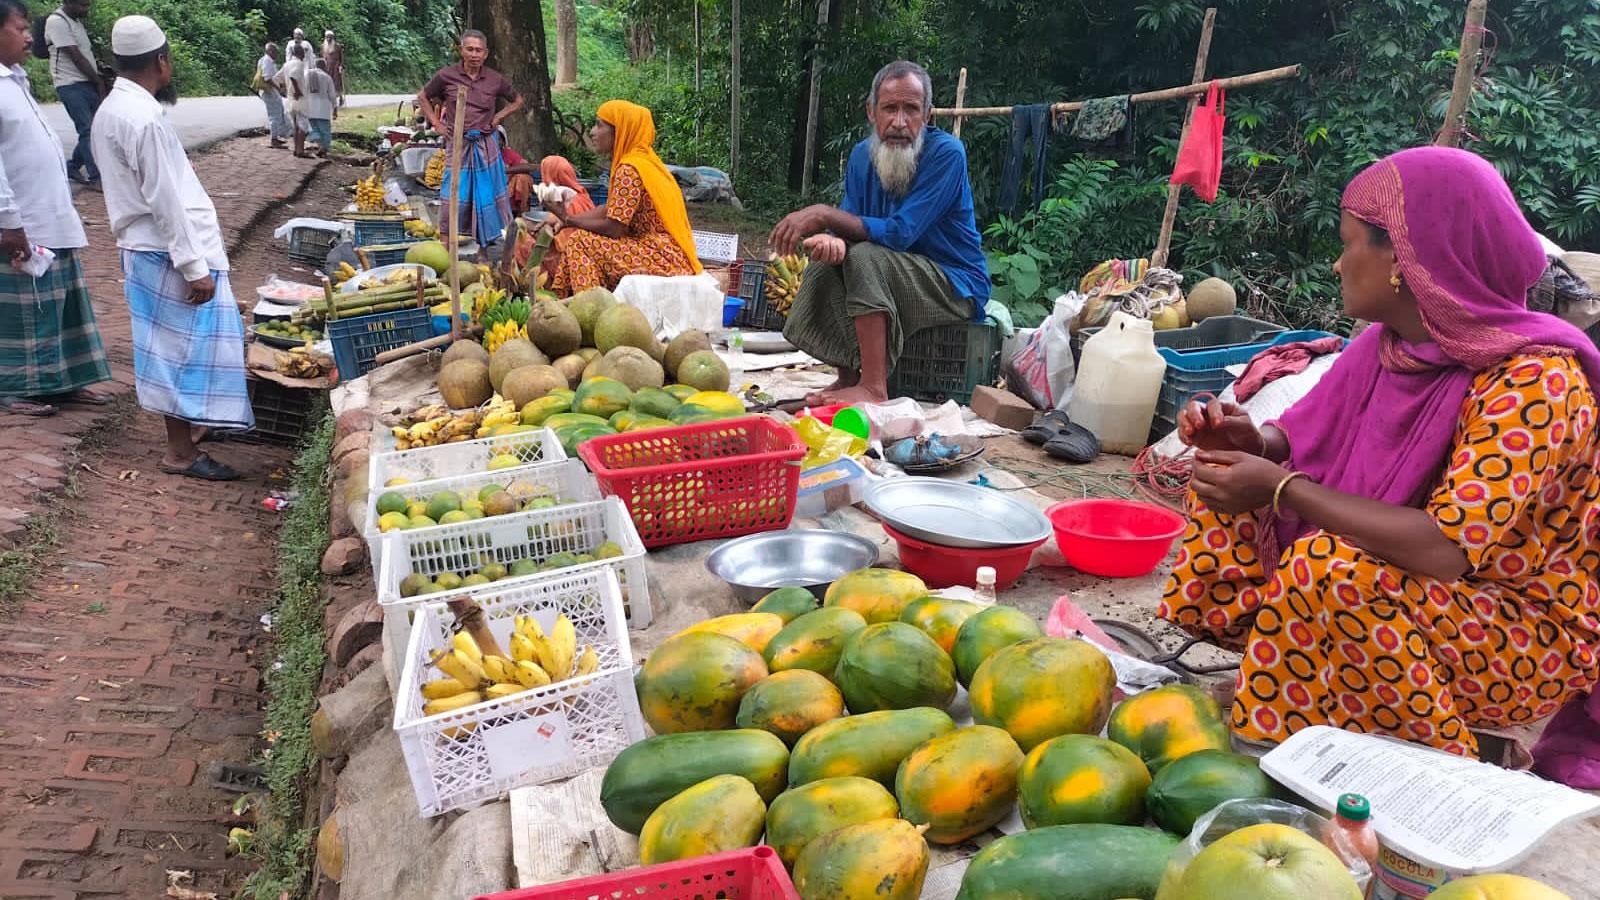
(204, 468)
(1050, 425)
(1073, 444)
(21, 406)
(82, 398)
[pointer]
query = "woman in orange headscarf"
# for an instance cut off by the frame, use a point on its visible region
(643, 229)
(553, 170)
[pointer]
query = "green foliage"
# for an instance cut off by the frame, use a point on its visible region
(282, 843)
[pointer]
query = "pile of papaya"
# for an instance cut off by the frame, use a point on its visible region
(822, 727)
(602, 406)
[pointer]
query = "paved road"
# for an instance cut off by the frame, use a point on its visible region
(205, 120)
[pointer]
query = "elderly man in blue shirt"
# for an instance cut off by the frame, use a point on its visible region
(901, 252)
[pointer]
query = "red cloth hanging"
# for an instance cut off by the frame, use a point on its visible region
(1200, 157)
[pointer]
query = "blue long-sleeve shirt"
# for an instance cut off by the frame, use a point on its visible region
(934, 218)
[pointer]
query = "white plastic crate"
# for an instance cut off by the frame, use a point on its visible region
(462, 548)
(714, 246)
(566, 480)
(478, 753)
(463, 458)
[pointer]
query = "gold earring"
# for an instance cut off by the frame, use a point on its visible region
(1394, 282)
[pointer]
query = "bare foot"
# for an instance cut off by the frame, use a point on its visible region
(848, 378)
(858, 394)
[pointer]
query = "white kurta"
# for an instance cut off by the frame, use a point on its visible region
(34, 193)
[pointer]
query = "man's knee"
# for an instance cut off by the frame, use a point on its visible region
(866, 253)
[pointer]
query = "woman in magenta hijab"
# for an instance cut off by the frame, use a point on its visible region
(1413, 548)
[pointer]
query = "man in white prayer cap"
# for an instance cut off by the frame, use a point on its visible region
(188, 338)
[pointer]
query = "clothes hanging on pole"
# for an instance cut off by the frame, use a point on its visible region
(1105, 127)
(1027, 122)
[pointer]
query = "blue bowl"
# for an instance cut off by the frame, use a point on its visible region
(730, 310)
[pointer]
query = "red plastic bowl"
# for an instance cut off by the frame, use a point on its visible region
(942, 566)
(1114, 538)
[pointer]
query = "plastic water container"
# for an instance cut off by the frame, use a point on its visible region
(1119, 382)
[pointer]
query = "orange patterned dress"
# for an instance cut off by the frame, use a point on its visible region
(1335, 635)
(589, 260)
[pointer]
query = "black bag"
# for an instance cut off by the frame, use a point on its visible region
(41, 47)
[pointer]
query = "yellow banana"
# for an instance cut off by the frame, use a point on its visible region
(440, 688)
(523, 648)
(531, 675)
(499, 669)
(461, 667)
(560, 648)
(588, 662)
(464, 642)
(451, 704)
(497, 691)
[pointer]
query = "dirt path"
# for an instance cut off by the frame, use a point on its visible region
(128, 667)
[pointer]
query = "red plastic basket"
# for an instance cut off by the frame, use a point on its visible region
(750, 874)
(695, 482)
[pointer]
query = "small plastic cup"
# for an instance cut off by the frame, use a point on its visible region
(852, 420)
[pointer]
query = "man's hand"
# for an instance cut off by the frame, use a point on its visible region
(14, 245)
(799, 225)
(201, 290)
(826, 249)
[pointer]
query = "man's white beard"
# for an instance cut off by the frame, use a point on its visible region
(896, 164)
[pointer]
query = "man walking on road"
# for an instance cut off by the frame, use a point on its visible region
(267, 90)
(321, 106)
(188, 339)
(299, 40)
(77, 81)
(333, 55)
(49, 346)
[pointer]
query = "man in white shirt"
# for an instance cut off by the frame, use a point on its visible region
(291, 82)
(50, 349)
(299, 40)
(76, 79)
(188, 339)
(321, 105)
(267, 89)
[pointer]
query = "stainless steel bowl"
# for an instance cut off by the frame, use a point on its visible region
(955, 514)
(808, 558)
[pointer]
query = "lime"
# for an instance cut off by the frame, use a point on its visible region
(391, 502)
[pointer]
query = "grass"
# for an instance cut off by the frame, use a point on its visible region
(282, 840)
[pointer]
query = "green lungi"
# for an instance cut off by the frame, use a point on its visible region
(912, 289)
(49, 343)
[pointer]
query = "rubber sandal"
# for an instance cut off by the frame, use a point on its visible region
(19, 406)
(82, 398)
(204, 468)
(1050, 425)
(1074, 444)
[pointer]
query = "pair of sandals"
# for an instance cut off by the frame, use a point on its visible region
(50, 405)
(1062, 439)
(203, 468)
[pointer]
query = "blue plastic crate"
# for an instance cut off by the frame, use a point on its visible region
(384, 231)
(358, 341)
(598, 190)
(1191, 372)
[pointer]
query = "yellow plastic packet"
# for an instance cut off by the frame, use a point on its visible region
(827, 443)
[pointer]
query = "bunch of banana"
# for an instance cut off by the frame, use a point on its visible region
(344, 273)
(504, 320)
(434, 425)
(485, 300)
(433, 172)
(299, 362)
(369, 194)
(500, 332)
(420, 229)
(498, 411)
(537, 659)
(783, 280)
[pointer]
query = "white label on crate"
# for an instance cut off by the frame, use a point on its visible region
(538, 742)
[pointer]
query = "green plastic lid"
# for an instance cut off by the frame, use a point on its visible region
(1354, 807)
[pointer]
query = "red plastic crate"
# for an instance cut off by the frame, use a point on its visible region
(695, 482)
(750, 874)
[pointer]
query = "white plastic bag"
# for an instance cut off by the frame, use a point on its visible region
(1233, 815)
(1042, 372)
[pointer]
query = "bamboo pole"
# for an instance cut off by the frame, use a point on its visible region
(1455, 116)
(814, 101)
(1172, 93)
(733, 105)
(961, 101)
(442, 340)
(457, 126)
(1169, 219)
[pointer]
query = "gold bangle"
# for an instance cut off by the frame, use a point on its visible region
(1277, 492)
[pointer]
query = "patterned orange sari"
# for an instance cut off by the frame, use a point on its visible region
(591, 260)
(1332, 634)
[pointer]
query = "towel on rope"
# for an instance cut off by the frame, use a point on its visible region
(188, 359)
(482, 190)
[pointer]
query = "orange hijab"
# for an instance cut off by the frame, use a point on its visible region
(636, 131)
(558, 170)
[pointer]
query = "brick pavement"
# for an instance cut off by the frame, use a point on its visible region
(129, 668)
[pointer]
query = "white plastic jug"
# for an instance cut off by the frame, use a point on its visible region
(1119, 382)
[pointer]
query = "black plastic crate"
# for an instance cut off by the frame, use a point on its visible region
(358, 341)
(283, 414)
(1215, 332)
(311, 245)
(751, 287)
(381, 231)
(947, 362)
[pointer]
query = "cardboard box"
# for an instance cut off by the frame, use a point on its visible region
(1002, 407)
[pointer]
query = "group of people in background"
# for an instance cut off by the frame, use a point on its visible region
(188, 335)
(303, 94)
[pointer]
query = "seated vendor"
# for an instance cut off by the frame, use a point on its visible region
(643, 229)
(554, 170)
(1412, 549)
(901, 252)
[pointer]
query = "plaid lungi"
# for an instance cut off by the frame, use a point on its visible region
(484, 198)
(49, 343)
(188, 360)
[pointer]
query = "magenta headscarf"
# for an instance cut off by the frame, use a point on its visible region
(1382, 421)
